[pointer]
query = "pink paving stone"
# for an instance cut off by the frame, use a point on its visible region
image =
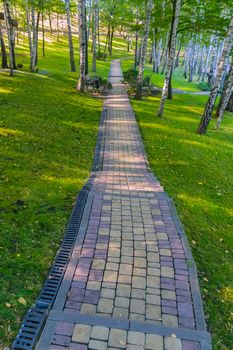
(73, 305)
(185, 310)
(182, 285)
(57, 347)
(169, 310)
(187, 322)
(64, 328)
(167, 286)
(190, 345)
(61, 340)
(168, 302)
(82, 271)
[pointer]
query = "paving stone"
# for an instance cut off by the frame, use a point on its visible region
(170, 320)
(97, 345)
(136, 338)
(153, 312)
(122, 302)
(107, 293)
(172, 343)
(137, 306)
(117, 338)
(120, 312)
(123, 290)
(153, 299)
(100, 333)
(154, 342)
(105, 305)
(81, 333)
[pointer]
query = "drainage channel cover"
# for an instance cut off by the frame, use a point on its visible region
(36, 316)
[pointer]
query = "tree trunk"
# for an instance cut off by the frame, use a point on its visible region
(211, 75)
(206, 117)
(3, 50)
(207, 59)
(89, 20)
(138, 94)
(176, 14)
(226, 94)
(71, 47)
(50, 24)
(10, 35)
(229, 107)
(95, 28)
(82, 44)
(136, 41)
(58, 33)
(43, 31)
(178, 54)
(34, 42)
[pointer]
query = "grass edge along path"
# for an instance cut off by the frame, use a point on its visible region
(196, 171)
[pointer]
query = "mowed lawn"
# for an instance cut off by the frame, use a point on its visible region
(48, 135)
(197, 172)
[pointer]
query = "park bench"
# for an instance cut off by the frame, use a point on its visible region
(93, 82)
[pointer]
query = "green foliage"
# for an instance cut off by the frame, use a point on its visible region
(204, 86)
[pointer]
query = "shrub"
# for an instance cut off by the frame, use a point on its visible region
(204, 86)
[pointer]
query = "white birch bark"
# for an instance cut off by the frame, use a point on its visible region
(82, 45)
(206, 117)
(71, 47)
(226, 94)
(171, 56)
(138, 94)
(95, 28)
(207, 59)
(10, 36)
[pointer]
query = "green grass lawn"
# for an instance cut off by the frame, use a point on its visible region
(178, 81)
(197, 171)
(48, 136)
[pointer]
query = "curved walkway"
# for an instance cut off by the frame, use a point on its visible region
(131, 282)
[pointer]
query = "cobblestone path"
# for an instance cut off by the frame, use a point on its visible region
(131, 282)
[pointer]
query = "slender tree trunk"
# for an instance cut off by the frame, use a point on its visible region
(178, 54)
(211, 76)
(10, 35)
(159, 55)
(34, 42)
(136, 40)
(43, 31)
(206, 117)
(226, 94)
(89, 20)
(207, 59)
(58, 33)
(82, 44)
(138, 94)
(176, 9)
(71, 47)
(50, 23)
(3, 50)
(95, 28)
(229, 107)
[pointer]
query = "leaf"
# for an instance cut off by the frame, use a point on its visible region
(194, 242)
(205, 279)
(22, 301)
(8, 305)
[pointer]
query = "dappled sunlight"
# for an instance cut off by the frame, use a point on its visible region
(62, 180)
(5, 90)
(11, 132)
(205, 204)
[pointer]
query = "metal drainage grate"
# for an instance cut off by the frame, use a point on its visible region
(35, 317)
(30, 329)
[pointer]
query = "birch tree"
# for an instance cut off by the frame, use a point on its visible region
(71, 47)
(138, 94)
(95, 29)
(206, 117)
(10, 36)
(82, 44)
(226, 93)
(3, 50)
(171, 55)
